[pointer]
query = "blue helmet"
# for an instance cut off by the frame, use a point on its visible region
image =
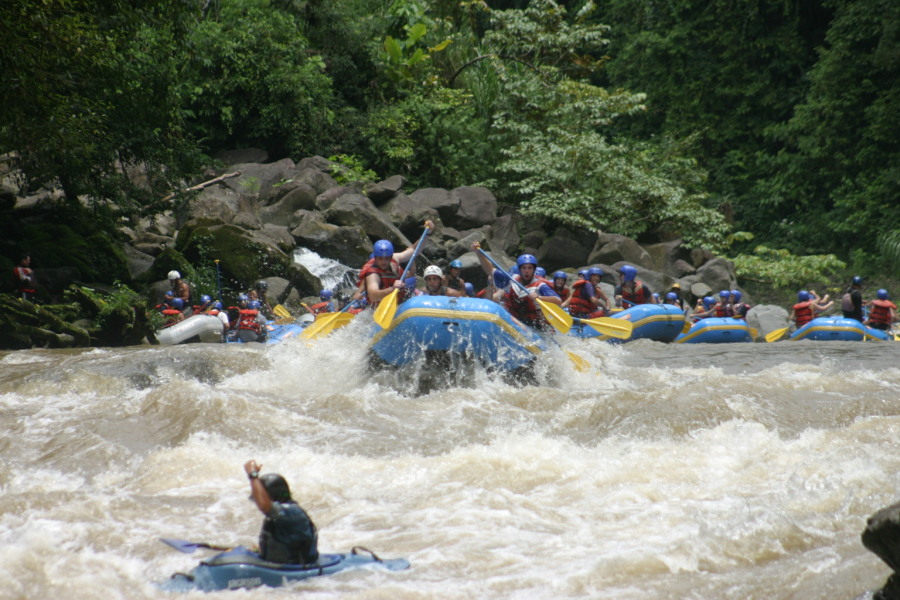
(526, 259)
(655, 296)
(177, 303)
(882, 294)
(560, 275)
(243, 298)
(501, 279)
(583, 274)
(672, 296)
(736, 295)
(217, 305)
(540, 272)
(514, 270)
(857, 280)
(628, 272)
(725, 294)
(326, 295)
(595, 271)
(456, 264)
(205, 299)
(254, 305)
(410, 282)
(170, 294)
(383, 248)
(803, 296)
(708, 301)
(470, 289)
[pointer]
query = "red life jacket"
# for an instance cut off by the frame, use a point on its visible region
(24, 285)
(319, 308)
(525, 309)
(803, 313)
(386, 277)
(563, 293)
(723, 310)
(247, 320)
(640, 294)
(578, 306)
(880, 312)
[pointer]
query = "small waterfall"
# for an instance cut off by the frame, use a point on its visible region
(331, 273)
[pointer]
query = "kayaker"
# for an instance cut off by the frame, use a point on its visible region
(434, 284)
(453, 279)
(808, 307)
(852, 300)
(631, 291)
(882, 312)
(288, 535)
(381, 274)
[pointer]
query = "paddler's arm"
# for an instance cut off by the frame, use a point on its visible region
(403, 257)
(257, 490)
(486, 265)
(376, 295)
(548, 294)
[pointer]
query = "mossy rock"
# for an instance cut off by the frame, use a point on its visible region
(27, 325)
(168, 260)
(90, 251)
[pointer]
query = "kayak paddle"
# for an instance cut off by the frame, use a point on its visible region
(617, 328)
(555, 315)
(387, 308)
(189, 547)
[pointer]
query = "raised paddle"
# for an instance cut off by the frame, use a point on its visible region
(387, 308)
(617, 328)
(326, 323)
(555, 315)
(774, 336)
(189, 547)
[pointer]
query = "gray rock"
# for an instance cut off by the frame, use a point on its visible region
(356, 209)
(215, 203)
(562, 249)
(882, 535)
(242, 155)
(612, 248)
(533, 240)
(455, 249)
(136, 262)
(275, 235)
(440, 200)
(504, 235)
(246, 220)
(278, 289)
(409, 216)
(477, 207)
(348, 245)
(700, 290)
(303, 281)
(149, 248)
(318, 163)
(316, 179)
(301, 197)
(718, 273)
(325, 199)
(385, 190)
(766, 318)
(257, 180)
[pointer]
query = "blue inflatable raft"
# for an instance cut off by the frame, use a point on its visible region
(838, 329)
(472, 328)
(242, 568)
(717, 330)
(657, 322)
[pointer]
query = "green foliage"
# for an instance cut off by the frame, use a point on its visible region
(346, 169)
(780, 268)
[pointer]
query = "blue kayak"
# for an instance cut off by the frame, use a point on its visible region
(473, 328)
(243, 568)
(717, 330)
(657, 322)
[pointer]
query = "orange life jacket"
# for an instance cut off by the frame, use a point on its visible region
(723, 310)
(525, 309)
(247, 320)
(563, 293)
(386, 277)
(640, 294)
(880, 312)
(803, 313)
(578, 305)
(320, 308)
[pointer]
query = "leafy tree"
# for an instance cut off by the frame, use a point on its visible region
(780, 268)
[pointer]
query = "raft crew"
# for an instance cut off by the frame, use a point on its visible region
(631, 291)
(739, 309)
(287, 535)
(452, 279)
(180, 287)
(325, 306)
(24, 279)
(262, 294)
(882, 312)
(723, 306)
(588, 300)
(852, 300)
(560, 281)
(808, 307)
(381, 274)
(434, 284)
(171, 308)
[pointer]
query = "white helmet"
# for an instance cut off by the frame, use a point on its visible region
(433, 270)
(174, 275)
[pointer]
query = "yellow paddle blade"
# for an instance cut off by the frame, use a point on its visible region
(556, 316)
(617, 328)
(754, 334)
(687, 326)
(774, 336)
(579, 363)
(282, 312)
(386, 310)
(326, 324)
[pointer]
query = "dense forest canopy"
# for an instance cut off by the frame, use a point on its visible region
(702, 119)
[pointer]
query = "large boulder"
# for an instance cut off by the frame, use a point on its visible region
(301, 196)
(719, 274)
(385, 190)
(504, 235)
(446, 204)
(457, 248)
(611, 248)
(217, 203)
(766, 318)
(325, 199)
(882, 537)
(348, 245)
(260, 180)
(562, 249)
(409, 216)
(670, 257)
(356, 209)
(304, 282)
(477, 206)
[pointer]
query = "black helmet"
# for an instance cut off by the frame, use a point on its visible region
(262, 285)
(276, 487)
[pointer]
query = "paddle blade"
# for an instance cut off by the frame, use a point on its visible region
(326, 324)
(556, 316)
(617, 328)
(774, 336)
(687, 326)
(754, 334)
(189, 547)
(282, 312)
(386, 310)
(578, 362)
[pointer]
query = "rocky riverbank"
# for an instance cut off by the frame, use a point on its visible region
(246, 224)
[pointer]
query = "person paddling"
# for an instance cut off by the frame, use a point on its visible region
(288, 535)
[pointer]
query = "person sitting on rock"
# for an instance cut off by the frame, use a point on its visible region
(24, 279)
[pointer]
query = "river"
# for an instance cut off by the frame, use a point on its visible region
(742, 471)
